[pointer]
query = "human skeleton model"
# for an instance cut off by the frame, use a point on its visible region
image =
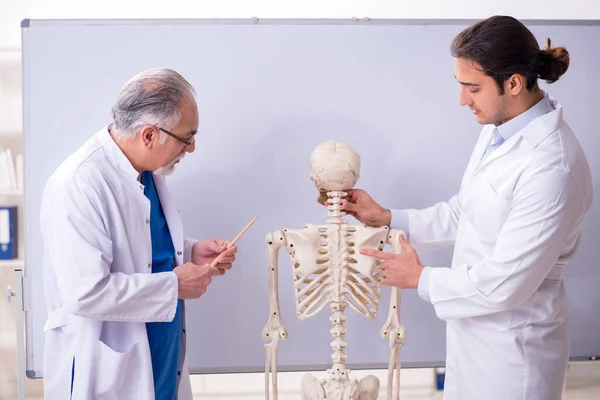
(329, 270)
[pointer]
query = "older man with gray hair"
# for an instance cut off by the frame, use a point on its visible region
(117, 264)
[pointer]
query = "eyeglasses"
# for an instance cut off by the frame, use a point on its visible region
(187, 142)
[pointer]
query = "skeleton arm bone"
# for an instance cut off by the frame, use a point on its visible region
(393, 329)
(274, 330)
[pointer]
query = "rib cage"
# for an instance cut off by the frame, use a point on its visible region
(327, 267)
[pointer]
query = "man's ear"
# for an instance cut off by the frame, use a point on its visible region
(147, 135)
(515, 84)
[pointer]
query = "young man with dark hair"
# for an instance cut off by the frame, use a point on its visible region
(515, 223)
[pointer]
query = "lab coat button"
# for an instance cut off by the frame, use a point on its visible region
(147, 221)
(178, 253)
(149, 265)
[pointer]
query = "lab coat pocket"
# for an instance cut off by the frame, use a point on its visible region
(117, 374)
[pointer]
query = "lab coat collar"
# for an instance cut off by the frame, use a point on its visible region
(115, 154)
(518, 123)
(543, 126)
(534, 133)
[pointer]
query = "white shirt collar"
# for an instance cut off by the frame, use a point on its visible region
(513, 126)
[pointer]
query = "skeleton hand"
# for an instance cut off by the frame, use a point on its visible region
(193, 279)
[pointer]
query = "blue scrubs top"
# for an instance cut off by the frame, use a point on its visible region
(163, 337)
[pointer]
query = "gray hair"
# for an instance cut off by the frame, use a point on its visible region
(151, 97)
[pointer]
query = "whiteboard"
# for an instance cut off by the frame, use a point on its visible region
(268, 92)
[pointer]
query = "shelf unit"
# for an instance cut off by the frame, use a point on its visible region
(16, 263)
(11, 136)
(11, 193)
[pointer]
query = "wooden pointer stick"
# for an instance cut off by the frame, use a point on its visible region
(216, 261)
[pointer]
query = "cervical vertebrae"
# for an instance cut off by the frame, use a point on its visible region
(335, 207)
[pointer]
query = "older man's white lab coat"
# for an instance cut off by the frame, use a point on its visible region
(515, 224)
(98, 284)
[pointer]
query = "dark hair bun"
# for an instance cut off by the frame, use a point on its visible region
(554, 62)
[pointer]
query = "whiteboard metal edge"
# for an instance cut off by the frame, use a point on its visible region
(29, 343)
(26, 23)
(316, 367)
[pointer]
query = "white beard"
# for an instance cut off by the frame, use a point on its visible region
(168, 169)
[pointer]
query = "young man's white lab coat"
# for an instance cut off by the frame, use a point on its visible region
(98, 284)
(515, 224)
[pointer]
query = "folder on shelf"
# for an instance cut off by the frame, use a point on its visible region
(9, 247)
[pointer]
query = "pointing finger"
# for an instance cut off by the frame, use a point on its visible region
(377, 254)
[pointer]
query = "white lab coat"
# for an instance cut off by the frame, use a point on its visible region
(98, 284)
(515, 224)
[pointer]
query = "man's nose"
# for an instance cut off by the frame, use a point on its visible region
(191, 147)
(464, 98)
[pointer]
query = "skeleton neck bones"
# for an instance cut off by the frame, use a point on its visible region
(329, 270)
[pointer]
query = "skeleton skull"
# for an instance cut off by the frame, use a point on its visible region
(334, 166)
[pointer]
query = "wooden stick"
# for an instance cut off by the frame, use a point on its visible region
(216, 261)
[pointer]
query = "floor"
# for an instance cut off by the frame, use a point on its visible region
(589, 393)
(583, 383)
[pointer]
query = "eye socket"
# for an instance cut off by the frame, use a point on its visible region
(473, 90)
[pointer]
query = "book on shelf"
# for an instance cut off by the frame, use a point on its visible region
(11, 171)
(9, 246)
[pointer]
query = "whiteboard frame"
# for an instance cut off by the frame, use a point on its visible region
(27, 23)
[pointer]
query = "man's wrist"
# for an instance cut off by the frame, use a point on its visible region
(386, 218)
(418, 276)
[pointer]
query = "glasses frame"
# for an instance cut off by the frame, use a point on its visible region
(186, 142)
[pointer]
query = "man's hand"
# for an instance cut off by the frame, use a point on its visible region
(362, 207)
(205, 251)
(194, 279)
(400, 270)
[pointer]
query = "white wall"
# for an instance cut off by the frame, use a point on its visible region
(13, 11)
